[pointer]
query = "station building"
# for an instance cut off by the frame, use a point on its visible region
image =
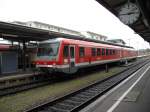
(44, 26)
(8, 57)
(11, 56)
(117, 41)
(95, 36)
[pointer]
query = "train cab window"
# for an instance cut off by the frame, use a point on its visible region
(107, 52)
(98, 52)
(48, 50)
(103, 51)
(66, 51)
(93, 51)
(81, 52)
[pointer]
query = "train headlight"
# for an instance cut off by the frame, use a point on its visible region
(65, 61)
(54, 65)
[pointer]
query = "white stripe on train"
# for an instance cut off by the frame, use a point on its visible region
(84, 63)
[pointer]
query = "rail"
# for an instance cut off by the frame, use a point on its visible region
(77, 100)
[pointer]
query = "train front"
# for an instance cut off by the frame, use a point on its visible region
(47, 56)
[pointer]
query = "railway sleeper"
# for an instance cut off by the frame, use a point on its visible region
(77, 99)
(63, 106)
(82, 96)
(95, 89)
(68, 104)
(54, 109)
(92, 91)
(104, 87)
(99, 89)
(87, 93)
(73, 103)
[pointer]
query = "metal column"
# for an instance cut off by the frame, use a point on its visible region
(24, 56)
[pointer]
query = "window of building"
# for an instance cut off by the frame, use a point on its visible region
(66, 51)
(93, 51)
(98, 52)
(103, 51)
(81, 51)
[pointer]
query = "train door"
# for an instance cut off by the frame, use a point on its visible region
(69, 57)
(72, 56)
(122, 53)
(72, 67)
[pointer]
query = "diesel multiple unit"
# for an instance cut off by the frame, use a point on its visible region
(68, 55)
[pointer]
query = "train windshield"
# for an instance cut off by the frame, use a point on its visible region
(48, 50)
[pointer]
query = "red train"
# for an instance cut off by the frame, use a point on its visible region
(68, 55)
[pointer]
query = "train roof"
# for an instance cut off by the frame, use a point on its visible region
(86, 39)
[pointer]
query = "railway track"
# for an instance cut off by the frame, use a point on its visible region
(22, 87)
(77, 100)
(8, 86)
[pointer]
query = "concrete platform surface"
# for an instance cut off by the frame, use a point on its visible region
(132, 95)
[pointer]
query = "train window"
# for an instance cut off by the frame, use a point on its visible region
(66, 51)
(111, 52)
(107, 52)
(116, 51)
(72, 52)
(81, 51)
(93, 51)
(119, 52)
(98, 52)
(103, 51)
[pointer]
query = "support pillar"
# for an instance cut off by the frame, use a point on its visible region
(126, 62)
(24, 56)
(106, 68)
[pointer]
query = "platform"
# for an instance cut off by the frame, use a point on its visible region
(132, 95)
(16, 75)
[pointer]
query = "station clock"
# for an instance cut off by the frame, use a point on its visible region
(129, 13)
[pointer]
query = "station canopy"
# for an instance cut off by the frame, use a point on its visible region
(141, 25)
(22, 33)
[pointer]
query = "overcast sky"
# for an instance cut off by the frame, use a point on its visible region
(80, 15)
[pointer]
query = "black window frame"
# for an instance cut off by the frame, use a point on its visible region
(103, 52)
(72, 51)
(107, 52)
(111, 52)
(81, 51)
(98, 51)
(93, 51)
(67, 52)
